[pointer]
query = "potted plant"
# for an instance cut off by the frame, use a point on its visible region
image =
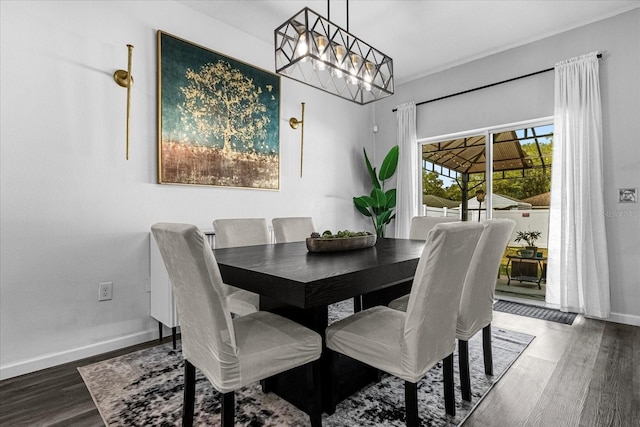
(380, 204)
(530, 237)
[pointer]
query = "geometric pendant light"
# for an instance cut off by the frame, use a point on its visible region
(313, 50)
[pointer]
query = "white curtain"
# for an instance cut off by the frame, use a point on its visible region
(408, 187)
(578, 269)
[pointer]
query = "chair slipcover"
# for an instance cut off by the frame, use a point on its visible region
(478, 294)
(421, 225)
(231, 353)
(479, 289)
(292, 229)
(241, 232)
(231, 233)
(476, 302)
(408, 344)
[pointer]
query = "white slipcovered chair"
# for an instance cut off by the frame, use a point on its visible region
(292, 229)
(231, 353)
(235, 232)
(408, 344)
(231, 233)
(476, 303)
(421, 225)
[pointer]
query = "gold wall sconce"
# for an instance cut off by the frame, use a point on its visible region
(294, 123)
(125, 79)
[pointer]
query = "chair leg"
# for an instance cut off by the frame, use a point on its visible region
(228, 409)
(488, 352)
(189, 394)
(463, 362)
(449, 396)
(411, 404)
(332, 388)
(357, 303)
(314, 398)
(174, 333)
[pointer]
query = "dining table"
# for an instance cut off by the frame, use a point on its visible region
(300, 285)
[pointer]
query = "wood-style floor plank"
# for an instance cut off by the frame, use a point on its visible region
(564, 396)
(515, 395)
(54, 397)
(608, 401)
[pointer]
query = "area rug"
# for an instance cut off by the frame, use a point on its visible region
(534, 311)
(145, 388)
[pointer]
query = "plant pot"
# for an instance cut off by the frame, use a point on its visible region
(528, 252)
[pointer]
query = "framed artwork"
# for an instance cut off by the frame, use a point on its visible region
(218, 119)
(628, 195)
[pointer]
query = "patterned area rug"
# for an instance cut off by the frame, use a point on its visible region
(535, 312)
(145, 389)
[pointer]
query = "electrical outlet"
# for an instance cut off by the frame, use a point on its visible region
(105, 291)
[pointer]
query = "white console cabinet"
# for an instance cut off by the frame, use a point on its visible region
(163, 305)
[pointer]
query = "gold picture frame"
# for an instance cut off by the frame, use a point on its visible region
(218, 119)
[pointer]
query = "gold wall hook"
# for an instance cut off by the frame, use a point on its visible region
(125, 79)
(293, 122)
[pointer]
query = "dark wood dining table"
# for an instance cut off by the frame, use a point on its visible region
(300, 285)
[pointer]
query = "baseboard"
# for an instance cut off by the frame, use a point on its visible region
(11, 370)
(626, 319)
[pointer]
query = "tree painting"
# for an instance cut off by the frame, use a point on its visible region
(219, 119)
(220, 100)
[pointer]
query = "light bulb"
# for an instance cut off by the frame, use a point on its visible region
(354, 69)
(321, 51)
(369, 69)
(302, 47)
(340, 53)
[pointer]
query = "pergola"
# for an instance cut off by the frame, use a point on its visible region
(461, 157)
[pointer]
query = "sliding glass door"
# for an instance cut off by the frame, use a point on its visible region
(501, 172)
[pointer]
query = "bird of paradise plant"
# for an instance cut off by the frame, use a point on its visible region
(381, 203)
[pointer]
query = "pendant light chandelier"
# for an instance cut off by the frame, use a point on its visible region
(317, 52)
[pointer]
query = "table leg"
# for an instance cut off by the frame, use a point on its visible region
(288, 384)
(540, 278)
(352, 375)
(386, 295)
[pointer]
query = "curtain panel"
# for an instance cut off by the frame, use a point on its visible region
(408, 185)
(578, 268)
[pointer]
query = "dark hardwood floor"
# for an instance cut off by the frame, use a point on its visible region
(54, 397)
(586, 374)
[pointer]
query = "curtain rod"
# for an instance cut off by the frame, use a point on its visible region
(486, 86)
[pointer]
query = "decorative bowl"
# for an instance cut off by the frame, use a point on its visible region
(320, 244)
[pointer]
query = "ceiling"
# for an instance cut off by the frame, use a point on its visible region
(422, 36)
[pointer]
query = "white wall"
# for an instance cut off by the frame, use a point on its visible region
(76, 213)
(618, 38)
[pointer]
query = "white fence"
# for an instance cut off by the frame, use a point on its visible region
(526, 220)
